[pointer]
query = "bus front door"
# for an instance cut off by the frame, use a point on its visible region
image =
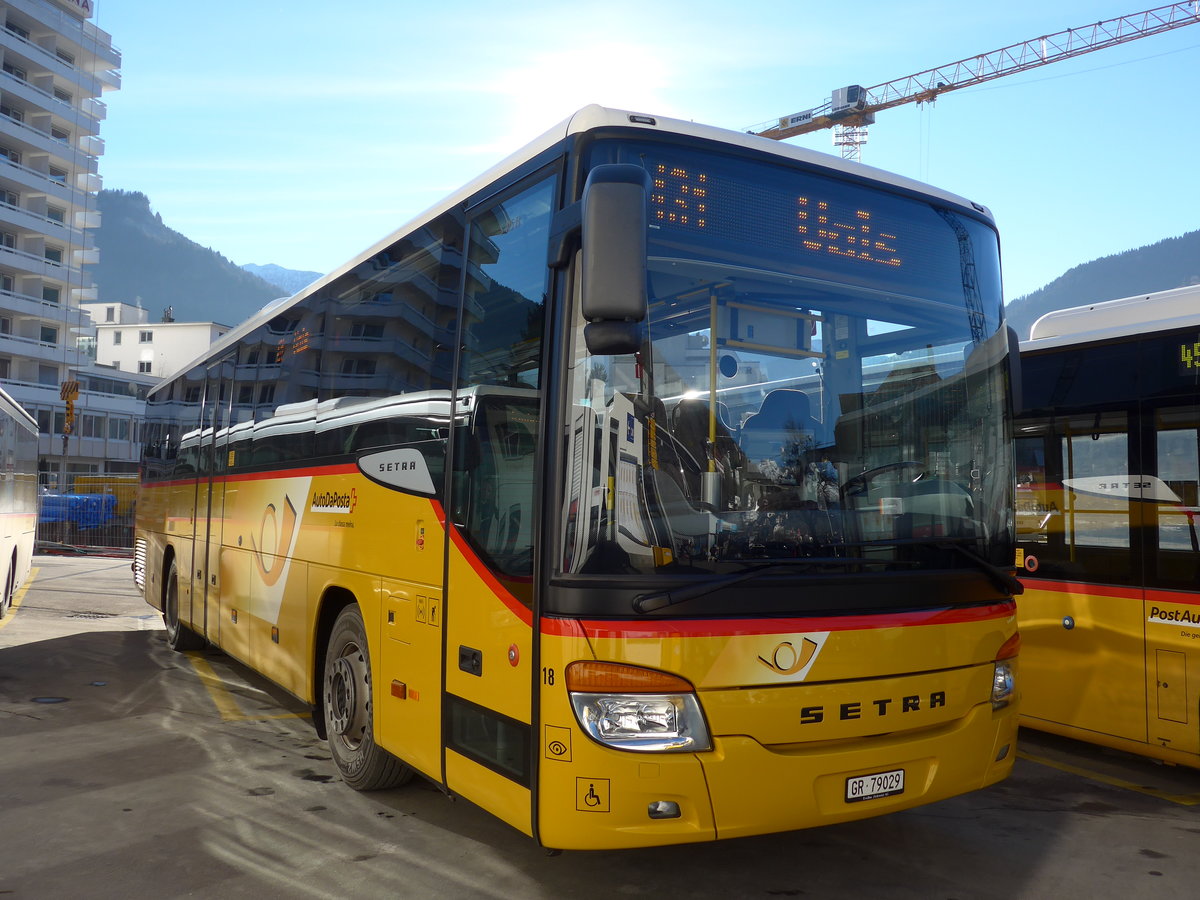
(1172, 601)
(1082, 625)
(489, 619)
(489, 586)
(211, 590)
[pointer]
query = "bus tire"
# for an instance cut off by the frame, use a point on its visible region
(9, 588)
(179, 637)
(348, 708)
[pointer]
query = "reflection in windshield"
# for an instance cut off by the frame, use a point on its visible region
(780, 411)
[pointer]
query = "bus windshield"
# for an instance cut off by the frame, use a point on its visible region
(821, 381)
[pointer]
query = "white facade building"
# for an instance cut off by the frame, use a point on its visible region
(156, 349)
(55, 67)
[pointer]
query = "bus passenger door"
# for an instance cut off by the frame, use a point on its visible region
(1081, 617)
(1172, 604)
(210, 504)
(492, 522)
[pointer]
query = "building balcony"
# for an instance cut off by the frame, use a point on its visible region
(30, 394)
(23, 177)
(91, 47)
(27, 221)
(422, 323)
(87, 256)
(91, 144)
(33, 264)
(39, 140)
(95, 108)
(27, 306)
(380, 349)
(87, 218)
(79, 118)
(72, 28)
(30, 348)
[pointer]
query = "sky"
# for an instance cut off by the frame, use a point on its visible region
(300, 133)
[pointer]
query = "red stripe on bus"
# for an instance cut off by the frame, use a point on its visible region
(1124, 592)
(310, 471)
(640, 628)
(519, 609)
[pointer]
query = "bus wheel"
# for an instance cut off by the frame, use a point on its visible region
(346, 695)
(9, 590)
(179, 636)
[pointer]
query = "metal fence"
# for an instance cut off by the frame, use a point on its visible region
(94, 513)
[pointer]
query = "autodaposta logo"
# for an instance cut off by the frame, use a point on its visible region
(334, 501)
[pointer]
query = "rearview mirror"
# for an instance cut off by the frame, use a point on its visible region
(613, 267)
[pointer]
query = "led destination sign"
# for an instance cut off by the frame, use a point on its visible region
(1188, 355)
(773, 219)
(701, 202)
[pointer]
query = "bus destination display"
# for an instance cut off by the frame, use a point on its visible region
(701, 202)
(1188, 355)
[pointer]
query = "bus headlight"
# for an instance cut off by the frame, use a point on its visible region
(631, 708)
(1004, 674)
(1003, 684)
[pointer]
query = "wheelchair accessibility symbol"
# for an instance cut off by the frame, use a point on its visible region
(592, 794)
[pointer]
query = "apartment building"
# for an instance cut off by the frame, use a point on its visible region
(125, 340)
(56, 65)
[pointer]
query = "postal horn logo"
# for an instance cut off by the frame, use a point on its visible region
(786, 659)
(274, 541)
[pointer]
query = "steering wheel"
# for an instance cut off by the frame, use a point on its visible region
(858, 483)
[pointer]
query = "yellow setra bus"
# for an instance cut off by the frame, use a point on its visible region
(655, 487)
(1108, 467)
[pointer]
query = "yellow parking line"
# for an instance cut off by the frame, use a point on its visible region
(1180, 799)
(221, 697)
(18, 596)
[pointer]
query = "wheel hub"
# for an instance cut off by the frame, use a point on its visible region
(342, 697)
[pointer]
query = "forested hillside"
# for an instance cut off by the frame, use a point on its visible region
(143, 261)
(1172, 263)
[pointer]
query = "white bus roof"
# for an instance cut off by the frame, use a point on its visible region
(18, 413)
(588, 119)
(1161, 311)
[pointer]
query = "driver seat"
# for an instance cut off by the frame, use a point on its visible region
(784, 421)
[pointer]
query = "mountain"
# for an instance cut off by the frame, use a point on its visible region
(143, 261)
(288, 280)
(1171, 263)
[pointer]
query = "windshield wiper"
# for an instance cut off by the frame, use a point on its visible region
(644, 603)
(1002, 578)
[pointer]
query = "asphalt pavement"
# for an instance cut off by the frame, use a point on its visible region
(129, 771)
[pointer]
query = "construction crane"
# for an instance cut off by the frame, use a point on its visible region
(851, 109)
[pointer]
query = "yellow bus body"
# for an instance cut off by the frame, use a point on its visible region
(610, 421)
(769, 771)
(1106, 663)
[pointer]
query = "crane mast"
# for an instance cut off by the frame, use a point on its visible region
(851, 109)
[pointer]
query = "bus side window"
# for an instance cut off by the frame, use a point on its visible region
(1177, 438)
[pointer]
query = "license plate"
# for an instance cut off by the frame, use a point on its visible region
(869, 787)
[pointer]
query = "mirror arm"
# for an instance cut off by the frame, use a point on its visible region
(565, 235)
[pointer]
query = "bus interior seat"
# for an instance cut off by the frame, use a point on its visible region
(784, 418)
(685, 519)
(689, 424)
